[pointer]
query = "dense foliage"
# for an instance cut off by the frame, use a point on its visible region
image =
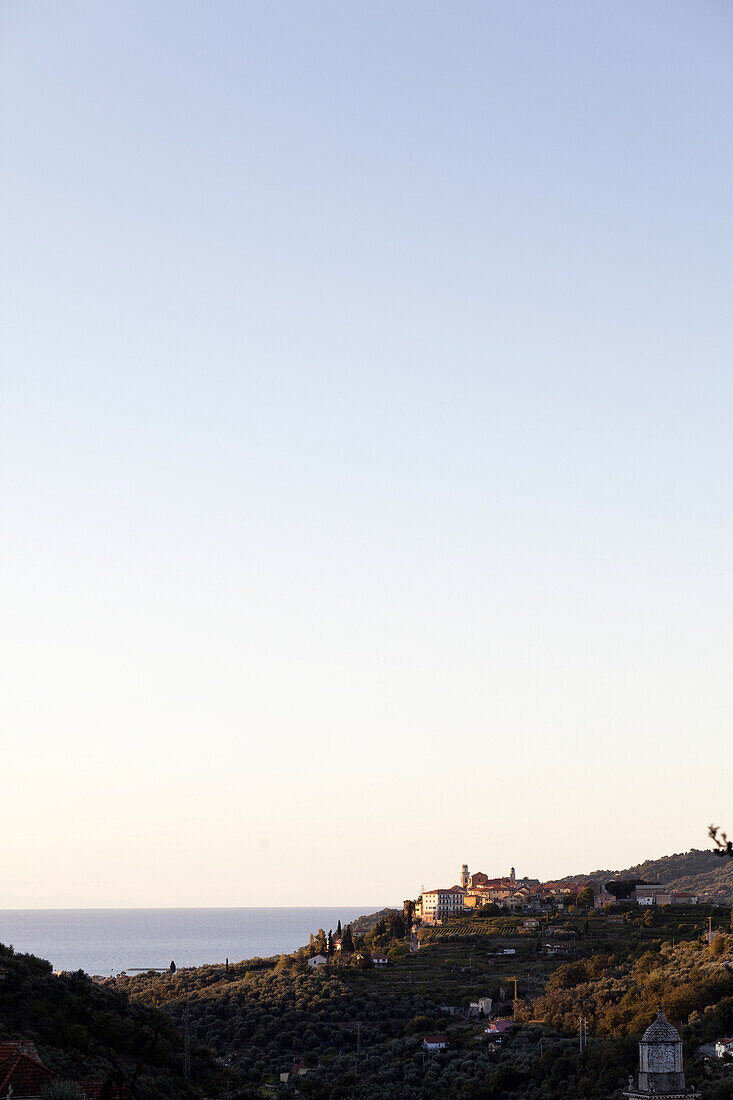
(357, 1031)
(84, 1030)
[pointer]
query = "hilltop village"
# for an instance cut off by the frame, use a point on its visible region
(474, 891)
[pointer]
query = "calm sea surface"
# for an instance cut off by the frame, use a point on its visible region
(105, 941)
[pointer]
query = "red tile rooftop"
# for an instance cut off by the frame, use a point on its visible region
(499, 1026)
(23, 1075)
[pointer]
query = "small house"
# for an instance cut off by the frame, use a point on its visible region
(316, 961)
(499, 1027)
(435, 1042)
(22, 1074)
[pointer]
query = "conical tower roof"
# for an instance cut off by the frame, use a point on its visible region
(661, 1031)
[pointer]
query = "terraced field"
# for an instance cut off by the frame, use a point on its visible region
(459, 928)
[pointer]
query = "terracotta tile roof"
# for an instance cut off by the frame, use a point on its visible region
(500, 1026)
(435, 1039)
(24, 1074)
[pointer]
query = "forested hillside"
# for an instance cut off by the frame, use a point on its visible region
(83, 1030)
(356, 1031)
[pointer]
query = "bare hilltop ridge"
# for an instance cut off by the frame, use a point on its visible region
(699, 872)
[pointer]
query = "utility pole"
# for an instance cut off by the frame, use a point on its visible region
(583, 1032)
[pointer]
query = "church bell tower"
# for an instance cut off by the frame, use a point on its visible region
(661, 1072)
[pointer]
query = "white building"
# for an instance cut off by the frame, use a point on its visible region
(662, 895)
(317, 960)
(436, 905)
(435, 1042)
(647, 895)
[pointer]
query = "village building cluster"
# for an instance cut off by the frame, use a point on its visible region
(474, 891)
(509, 892)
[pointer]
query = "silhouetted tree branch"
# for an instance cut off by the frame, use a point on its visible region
(723, 846)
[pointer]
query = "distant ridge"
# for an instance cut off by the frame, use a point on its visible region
(696, 872)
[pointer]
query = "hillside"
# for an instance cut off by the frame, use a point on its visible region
(353, 1032)
(700, 872)
(368, 921)
(83, 1030)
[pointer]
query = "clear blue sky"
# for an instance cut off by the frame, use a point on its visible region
(366, 444)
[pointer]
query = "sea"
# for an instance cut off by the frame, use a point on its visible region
(109, 941)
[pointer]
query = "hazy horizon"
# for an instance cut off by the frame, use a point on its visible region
(445, 880)
(366, 450)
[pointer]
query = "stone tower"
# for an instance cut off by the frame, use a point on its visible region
(512, 875)
(464, 876)
(661, 1072)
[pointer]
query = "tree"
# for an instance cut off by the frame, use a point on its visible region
(623, 888)
(172, 967)
(718, 946)
(338, 929)
(585, 897)
(347, 940)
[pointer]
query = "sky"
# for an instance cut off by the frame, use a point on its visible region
(365, 431)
